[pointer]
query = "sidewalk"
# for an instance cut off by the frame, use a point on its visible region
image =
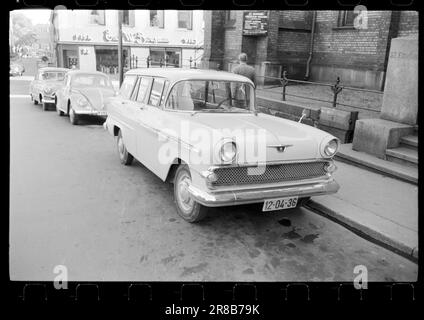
(383, 208)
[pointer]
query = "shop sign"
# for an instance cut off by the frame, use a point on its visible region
(84, 51)
(136, 37)
(81, 37)
(255, 23)
(188, 41)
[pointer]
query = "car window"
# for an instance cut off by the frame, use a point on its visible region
(52, 75)
(127, 87)
(143, 88)
(95, 80)
(211, 96)
(165, 89)
(156, 92)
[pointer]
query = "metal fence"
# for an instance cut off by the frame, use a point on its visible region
(135, 62)
(334, 88)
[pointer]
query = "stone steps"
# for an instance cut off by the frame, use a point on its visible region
(403, 155)
(410, 141)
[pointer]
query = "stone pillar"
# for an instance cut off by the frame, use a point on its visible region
(400, 100)
(213, 53)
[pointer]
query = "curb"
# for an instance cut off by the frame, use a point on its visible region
(376, 168)
(365, 232)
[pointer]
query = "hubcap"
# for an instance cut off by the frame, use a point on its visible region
(183, 195)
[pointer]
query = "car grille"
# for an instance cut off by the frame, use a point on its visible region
(269, 173)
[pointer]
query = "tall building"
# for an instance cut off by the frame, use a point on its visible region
(318, 46)
(88, 38)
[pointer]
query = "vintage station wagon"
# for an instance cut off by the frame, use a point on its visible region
(83, 94)
(45, 84)
(200, 130)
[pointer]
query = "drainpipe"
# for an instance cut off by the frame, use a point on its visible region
(311, 47)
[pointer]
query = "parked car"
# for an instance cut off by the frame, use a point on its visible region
(16, 69)
(83, 94)
(197, 129)
(45, 84)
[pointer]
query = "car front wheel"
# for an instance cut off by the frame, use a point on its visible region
(33, 100)
(188, 209)
(125, 157)
(73, 117)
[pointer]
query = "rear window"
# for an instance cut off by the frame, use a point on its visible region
(127, 87)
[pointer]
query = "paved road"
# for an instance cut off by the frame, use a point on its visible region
(72, 203)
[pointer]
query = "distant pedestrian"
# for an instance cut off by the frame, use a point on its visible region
(243, 69)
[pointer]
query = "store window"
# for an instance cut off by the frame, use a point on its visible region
(185, 19)
(97, 17)
(157, 18)
(165, 57)
(107, 60)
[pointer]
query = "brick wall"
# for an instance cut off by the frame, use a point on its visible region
(233, 38)
(350, 47)
(408, 23)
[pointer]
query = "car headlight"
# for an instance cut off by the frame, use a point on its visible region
(331, 147)
(228, 151)
(82, 102)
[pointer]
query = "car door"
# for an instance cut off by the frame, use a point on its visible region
(124, 112)
(150, 125)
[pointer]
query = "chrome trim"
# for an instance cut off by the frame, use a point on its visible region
(256, 164)
(228, 198)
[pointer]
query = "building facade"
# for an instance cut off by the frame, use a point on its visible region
(88, 38)
(313, 45)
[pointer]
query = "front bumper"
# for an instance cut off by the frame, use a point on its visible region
(48, 99)
(228, 198)
(91, 112)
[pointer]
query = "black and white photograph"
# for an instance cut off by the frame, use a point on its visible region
(213, 145)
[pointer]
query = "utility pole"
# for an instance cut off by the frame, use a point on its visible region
(120, 55)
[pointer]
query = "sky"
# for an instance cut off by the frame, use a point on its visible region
(36, 15)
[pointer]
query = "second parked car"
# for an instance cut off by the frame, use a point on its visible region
(83, 94)
(43, 88)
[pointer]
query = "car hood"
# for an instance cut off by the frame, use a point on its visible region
(95, 95)
(300, 141)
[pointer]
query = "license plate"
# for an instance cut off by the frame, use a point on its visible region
(279, 204)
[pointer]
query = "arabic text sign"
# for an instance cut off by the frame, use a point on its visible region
(255, 22)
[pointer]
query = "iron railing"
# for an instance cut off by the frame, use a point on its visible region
(134, 62)
(335, 88)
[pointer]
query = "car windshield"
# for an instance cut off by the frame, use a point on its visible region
(55, 76)
(211, 96)
(92, 80)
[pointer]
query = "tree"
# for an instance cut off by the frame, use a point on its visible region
(22, 33)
